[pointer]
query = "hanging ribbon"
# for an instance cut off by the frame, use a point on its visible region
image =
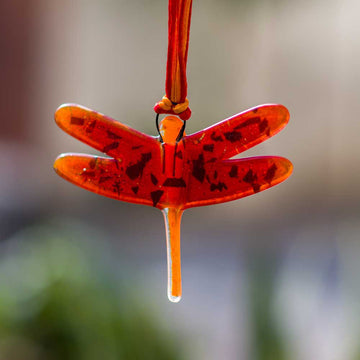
(175, 102)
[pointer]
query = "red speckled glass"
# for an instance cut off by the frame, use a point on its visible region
(173, 175)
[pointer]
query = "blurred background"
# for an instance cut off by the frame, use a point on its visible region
(271, 276)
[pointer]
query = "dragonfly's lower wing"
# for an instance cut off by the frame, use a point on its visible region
(109, 177)
(233, 179)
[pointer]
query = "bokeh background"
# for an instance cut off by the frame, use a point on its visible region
(272, 276)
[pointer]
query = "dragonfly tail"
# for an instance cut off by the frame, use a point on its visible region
(172, 217)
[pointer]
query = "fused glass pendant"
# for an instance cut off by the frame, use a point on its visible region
(173, 172)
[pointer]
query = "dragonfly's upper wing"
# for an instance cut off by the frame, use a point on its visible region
(133, 171)
(109, 177)
(217, 182)
(238, 133)
(103, 133)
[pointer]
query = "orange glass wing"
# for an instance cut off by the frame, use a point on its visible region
(238, 133)
(133, 172)
(103, 133)
(213, 178)
(233, 179)
(108, 177)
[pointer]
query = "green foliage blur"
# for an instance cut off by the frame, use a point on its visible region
(60, 300)
(267, 342)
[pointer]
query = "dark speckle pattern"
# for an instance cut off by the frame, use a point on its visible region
(174, 182)
(233, 172)
(215, 137)
(77, 121)
(136, 170)
(250, 177)
(219, 186)
(154, 180)
(256, 187)
(209, 147)
(112, 135)
(156, 196)
(252, 121)
(111, 146)
(270, 173)
(198, 168)
(263, 126)
(233, 136)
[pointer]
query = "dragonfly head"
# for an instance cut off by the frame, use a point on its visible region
(170, 128)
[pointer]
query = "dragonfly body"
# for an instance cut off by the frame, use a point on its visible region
(174, 174)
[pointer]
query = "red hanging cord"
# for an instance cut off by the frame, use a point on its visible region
(175, 101)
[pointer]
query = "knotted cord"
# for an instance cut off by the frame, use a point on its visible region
(175, 101)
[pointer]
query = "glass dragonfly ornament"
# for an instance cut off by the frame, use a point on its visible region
(173, 171)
